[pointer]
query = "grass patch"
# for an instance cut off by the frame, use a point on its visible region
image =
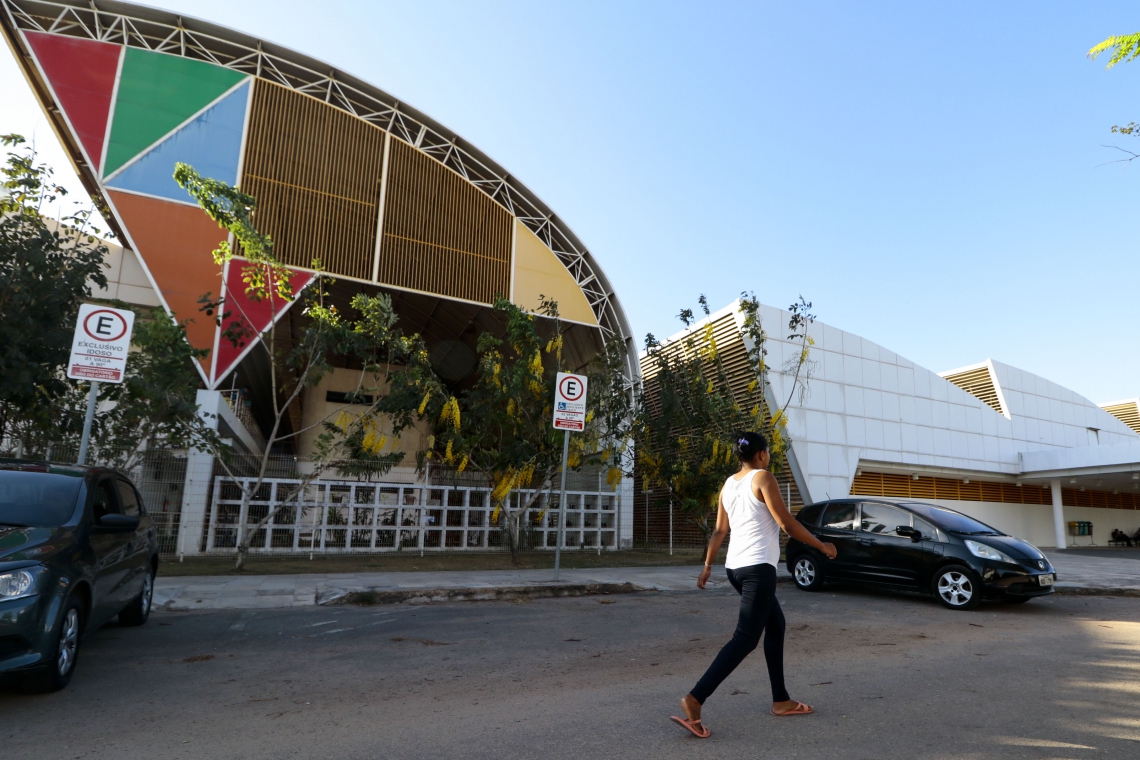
(412, 562)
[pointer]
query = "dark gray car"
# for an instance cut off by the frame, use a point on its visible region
(76, 548)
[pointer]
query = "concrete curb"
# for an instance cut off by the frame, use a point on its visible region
(1096, 591)
(424, 596)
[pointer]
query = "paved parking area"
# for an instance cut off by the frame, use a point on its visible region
(891, 675)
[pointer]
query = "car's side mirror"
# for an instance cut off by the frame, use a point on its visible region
(114, 523)
(908, 532)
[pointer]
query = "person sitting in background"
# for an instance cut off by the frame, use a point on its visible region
(1119, 535)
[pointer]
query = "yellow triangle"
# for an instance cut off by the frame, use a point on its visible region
(538, 272)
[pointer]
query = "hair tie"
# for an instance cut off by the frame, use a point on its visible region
(742, 442)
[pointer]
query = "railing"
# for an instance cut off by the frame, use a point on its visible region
(245, 416)
(348, 517)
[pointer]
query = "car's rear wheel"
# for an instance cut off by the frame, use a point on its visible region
(807, 573)
(137, 612)
(958, 587)
(58, 671)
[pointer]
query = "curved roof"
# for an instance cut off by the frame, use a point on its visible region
(145, 28)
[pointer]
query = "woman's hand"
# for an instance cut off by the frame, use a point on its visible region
(829, 549)
(704, 576)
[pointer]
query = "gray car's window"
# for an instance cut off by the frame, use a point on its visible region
(128, 499)
(839, 516)
(883, 519)
(37, 499)
(104, 503)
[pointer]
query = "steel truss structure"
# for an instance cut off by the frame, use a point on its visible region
(161, 31)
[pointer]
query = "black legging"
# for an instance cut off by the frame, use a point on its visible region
(759, 610)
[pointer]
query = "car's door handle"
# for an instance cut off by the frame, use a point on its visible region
(866, 541)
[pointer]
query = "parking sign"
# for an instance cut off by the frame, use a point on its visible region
(570, 402)
(100, 345)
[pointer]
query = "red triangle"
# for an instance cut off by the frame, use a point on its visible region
(253, 317)
(176, 242)
(82, 75)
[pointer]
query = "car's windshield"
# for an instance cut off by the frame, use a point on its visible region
(37, 499)
(954, 522)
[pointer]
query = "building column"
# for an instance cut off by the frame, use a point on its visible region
(1058, 512)
(196, 488)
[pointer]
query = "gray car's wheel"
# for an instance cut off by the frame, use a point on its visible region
(957, 587)
(807, 573)
(137, 612)
(60, 665)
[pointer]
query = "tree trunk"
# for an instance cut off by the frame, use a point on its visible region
(513, 536)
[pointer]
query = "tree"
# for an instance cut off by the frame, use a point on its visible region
(47, 269)
(692, 405)
(1124, 48)
(501, 426)
(395, 371)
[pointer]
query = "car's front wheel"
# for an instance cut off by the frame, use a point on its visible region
(58, 671)
(137, 612)
(807, 573)
(958, 587)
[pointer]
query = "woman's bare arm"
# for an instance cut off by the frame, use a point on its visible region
(715, 541)
(768, 490)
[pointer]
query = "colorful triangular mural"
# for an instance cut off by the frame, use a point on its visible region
(211, 143)
(157, 93)
(136, 113)
(252, 317)
(175, 242)
(82, 76)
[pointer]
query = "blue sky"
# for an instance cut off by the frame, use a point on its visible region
(930, 176)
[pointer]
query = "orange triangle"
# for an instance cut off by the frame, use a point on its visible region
(176, 241)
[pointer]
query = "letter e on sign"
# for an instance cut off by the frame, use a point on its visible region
(101, 343)
(570, 402)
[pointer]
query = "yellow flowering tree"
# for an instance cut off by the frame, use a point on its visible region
(684, 424)
(500, 427)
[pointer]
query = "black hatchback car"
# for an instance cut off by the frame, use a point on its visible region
(920, 547)
(76, 548)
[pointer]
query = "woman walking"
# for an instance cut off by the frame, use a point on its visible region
(751, 506)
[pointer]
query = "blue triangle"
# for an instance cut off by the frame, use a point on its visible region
(211, 143)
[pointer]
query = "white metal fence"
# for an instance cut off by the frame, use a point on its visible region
(347, 516)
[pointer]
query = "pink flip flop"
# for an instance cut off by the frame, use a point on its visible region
(799, 709)
(695, 726)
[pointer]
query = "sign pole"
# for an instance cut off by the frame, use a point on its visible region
(99, 351)
(91, 397)
(562, 504)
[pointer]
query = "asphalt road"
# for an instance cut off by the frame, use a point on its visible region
(890, 676)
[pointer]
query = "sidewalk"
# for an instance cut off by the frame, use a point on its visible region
(1076, 573)
(275, 591)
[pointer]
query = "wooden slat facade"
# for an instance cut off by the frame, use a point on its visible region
(1128, 413)
(315, 172)
(897, 486)
(980, 384)
(441, 234)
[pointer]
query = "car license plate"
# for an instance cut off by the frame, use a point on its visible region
(1045, 580)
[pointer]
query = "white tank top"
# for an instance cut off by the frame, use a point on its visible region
(755, 537)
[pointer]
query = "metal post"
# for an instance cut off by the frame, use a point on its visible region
(562, 504)
(83, 443)
(1058, 512)
(670, 527)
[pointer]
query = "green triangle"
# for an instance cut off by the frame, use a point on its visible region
(156, 93)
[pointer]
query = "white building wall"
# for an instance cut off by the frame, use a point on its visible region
(867, 404)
